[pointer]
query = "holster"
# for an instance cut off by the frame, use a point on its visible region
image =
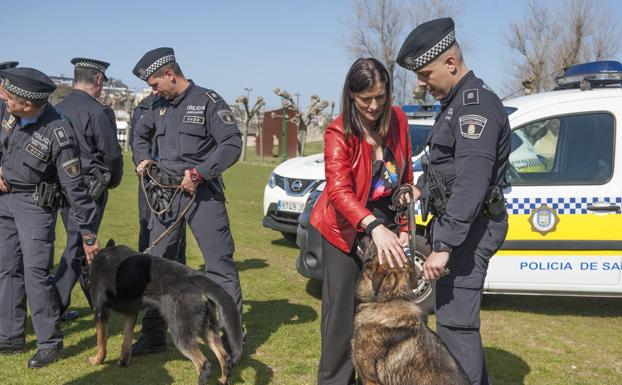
(494, 203)
(99, 183)
(48, 195)
(436, 195)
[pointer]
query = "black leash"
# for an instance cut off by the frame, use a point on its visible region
(407, 211)
(177, 187)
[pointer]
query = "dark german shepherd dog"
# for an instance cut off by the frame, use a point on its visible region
(392, 344)
(192, 305)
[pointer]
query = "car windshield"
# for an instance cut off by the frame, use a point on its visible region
(418, 136)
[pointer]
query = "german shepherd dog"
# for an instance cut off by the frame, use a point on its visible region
(392, 344)
(192, 305)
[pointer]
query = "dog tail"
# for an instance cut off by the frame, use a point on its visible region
(231, 323)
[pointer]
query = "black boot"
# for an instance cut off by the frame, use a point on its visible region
(146, 345)
(43, 357)
(11, 348)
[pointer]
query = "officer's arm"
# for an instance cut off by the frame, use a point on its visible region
(143, 130)
(108, 144)
(224, 129)
(71, 176)
(476, 132)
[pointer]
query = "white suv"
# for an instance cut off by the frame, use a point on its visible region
(292, 181)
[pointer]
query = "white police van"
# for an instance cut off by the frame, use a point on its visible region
(290, 184)
(564, 198)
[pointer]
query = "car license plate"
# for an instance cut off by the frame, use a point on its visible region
(294, 207)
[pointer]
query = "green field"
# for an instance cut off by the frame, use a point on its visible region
(528, 340)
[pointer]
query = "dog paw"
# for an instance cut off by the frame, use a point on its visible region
(95, 360)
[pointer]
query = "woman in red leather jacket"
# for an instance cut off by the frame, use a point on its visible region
(367, 155)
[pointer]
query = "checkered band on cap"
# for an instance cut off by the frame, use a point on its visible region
(90, 64)
(156, 66)
(22, 93)
(431, 54)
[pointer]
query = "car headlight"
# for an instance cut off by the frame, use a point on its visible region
(272, 180)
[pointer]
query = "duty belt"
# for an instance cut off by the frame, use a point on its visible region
(14, 188)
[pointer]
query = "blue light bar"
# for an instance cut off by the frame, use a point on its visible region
(421, 110)
(598, 74)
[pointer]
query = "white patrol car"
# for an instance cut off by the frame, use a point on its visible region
(564, 198)
(292, 181)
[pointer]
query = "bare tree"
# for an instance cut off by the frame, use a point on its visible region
(247, 116)
(377, 29)
(302, 120)
(548, 43)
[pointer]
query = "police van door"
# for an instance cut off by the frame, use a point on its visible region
(564, 202)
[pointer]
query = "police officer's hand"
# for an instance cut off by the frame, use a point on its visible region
(3, 186)
(389, 246)
(434, 266)
(91, 251)
(187, 184)
(141, 166)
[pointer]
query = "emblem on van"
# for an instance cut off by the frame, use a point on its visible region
(297, 185)
(543, 220)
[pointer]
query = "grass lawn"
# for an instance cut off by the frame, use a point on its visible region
(528, 340)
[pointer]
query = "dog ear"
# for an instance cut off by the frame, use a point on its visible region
(110, 243)
(377, 278)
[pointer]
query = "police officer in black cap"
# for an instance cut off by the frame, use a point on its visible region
(144, 212)
(192, 135)
(40, 163)
(469, 148)
(95, 127)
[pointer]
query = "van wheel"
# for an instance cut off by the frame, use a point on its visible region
(290, 237)
(424, 294)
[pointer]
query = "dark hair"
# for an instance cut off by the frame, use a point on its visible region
(363, 75)
(86, 75)
(171, 66)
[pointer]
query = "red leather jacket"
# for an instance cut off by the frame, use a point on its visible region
(348, 162)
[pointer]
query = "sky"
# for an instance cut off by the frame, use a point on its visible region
(229, 46)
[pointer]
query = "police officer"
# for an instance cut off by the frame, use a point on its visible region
(95, 128)
(143, 208)
(39, 159)
(469, 148)
(192, 135)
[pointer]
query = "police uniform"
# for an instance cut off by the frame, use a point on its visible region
(35, 151)
(469, 148)
(195, 130)
(95, 127)
(143, 208)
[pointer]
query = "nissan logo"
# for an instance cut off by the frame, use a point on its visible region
(297, 185)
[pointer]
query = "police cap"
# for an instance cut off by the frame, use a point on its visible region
(153, 61)
(98, 65)
(8, 64)
(27, 83)
(426, 43)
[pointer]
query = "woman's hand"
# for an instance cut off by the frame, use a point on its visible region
(389, 247)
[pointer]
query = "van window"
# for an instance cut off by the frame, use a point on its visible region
(572, 149)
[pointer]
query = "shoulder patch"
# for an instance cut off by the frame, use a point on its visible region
(472, 126)
(72, 167)
(226, 116)
(213, 95)
(61, 137)
(470, 97)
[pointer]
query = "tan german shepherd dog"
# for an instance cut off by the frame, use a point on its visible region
(392, 344)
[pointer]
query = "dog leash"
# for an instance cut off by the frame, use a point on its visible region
(181, 215)
(408, 211)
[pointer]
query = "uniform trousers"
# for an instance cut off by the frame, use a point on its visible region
(27, 227)
(209, 222)
(341, 272)
(459, 296)
(69, 267)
